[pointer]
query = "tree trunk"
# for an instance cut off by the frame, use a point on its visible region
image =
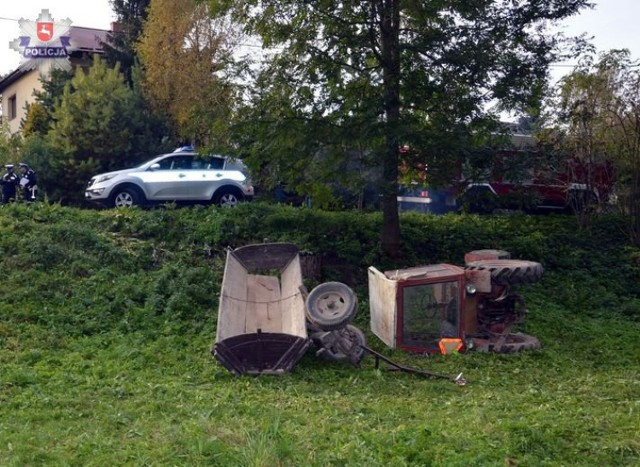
(389, 40)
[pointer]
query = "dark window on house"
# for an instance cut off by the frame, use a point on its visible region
(12, 110)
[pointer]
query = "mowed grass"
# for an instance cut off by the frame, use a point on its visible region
(127, 399)
(145, 390)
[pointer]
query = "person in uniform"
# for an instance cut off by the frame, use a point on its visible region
(9, 181)
(28, 182)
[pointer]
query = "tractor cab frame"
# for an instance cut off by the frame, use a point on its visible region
(442, 308)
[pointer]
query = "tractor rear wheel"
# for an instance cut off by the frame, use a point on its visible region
(509, 271)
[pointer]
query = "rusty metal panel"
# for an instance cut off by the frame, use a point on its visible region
(421, 273)
(470, 311)
(383, 306)
(480, 278)
(478, 255)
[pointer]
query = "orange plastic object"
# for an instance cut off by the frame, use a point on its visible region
(448, 345)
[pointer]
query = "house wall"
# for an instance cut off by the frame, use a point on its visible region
(22, 90)
(88, 41)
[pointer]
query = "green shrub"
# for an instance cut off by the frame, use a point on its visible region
(97, 270)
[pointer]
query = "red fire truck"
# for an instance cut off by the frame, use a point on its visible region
(515, 179)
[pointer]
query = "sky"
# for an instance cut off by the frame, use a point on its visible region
(613, 23)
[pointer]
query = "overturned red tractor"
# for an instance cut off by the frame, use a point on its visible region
(443, 308)
(267, 320)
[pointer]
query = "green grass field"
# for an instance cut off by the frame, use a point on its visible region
(107, 319)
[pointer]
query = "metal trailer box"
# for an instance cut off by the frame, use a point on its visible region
(414, 309)
(261, 316)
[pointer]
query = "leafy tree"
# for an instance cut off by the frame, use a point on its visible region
(39, 113)
(183, 54)
(383, 74)
(10, 145)
(597, 121)
(42, 157)
(36, 120)
(101, 125)
(120, 46)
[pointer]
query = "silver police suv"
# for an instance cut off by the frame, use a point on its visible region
(181, 176)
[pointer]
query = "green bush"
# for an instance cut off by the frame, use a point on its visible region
(169, 261)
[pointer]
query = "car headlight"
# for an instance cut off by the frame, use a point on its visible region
(104, 178)
(95, 191)
(470, 288)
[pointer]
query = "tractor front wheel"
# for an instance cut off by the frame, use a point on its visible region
(331, 305)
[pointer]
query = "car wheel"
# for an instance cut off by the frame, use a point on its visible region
(227, 198)
(331, 305)
(126, 198)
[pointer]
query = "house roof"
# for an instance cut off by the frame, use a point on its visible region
(86, 40)
(11, 78)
